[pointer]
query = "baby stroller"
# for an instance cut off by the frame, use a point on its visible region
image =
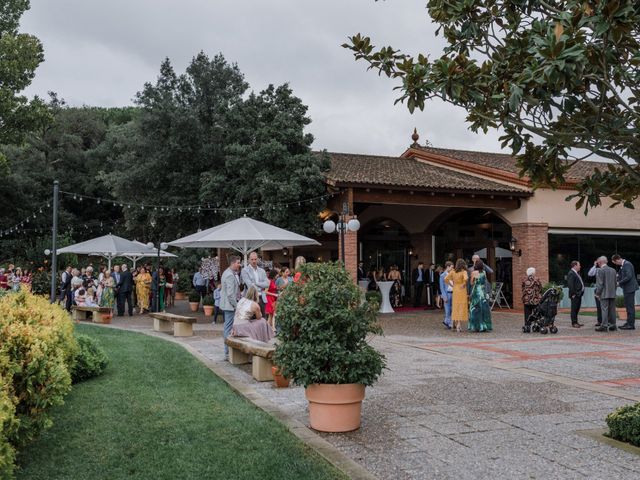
(543, 317)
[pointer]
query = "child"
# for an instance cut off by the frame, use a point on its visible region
(272, 297)
(80, 297)
(90, 298)
(216, 301)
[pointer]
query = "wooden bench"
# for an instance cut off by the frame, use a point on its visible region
(168, 322)
(89, 313)
(240, 348)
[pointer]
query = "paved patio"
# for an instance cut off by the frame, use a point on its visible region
(500, 404)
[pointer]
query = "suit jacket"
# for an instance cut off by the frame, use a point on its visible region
(249, 279)
(414, 275)
(605, 283)
(126, 282)
(575, 284)
(229, 290)
(361, 274)
(428, 275)
(627, 278)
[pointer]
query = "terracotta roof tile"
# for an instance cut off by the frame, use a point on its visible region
(348, 168)
(507, 163)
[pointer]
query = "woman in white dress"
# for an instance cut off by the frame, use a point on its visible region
(248, 321)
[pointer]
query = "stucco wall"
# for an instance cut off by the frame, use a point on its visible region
(549, 206)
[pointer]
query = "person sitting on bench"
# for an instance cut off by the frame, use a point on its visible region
(248, 321)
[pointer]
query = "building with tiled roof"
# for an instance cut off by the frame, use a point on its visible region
(433, 204)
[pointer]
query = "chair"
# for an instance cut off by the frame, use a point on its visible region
(496, 296)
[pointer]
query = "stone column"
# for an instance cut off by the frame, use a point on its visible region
(533, 241)
(350, 251)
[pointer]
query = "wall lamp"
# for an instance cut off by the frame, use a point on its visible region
(512, 247)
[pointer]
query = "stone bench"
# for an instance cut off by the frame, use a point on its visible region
(88, 313)
(240, 348)
(168, 322)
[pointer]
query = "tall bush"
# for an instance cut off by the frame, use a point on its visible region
(624, 424)
(7, 421)
(90, 361)
(36, 338)
(324, 325)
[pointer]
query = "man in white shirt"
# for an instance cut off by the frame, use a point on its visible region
(254, 276)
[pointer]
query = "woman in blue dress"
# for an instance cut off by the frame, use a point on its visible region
(479, 310)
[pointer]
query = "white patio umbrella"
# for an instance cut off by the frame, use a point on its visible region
(500, 253)
(107, 246)
(137, 255)
(244, 235)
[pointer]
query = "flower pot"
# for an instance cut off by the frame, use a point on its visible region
(106, 317)
(194, 306)
(280, 380)
(335, 408)
(181, 296)
(208, 310)
(622, 313)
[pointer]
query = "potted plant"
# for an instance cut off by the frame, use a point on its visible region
(183, 285)
(208, 305)
(279, 379)
(322, 344)
(194, 301)
(620, 308)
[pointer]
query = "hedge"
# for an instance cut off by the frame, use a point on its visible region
(90, 361)
(624, 424)
(37, 354)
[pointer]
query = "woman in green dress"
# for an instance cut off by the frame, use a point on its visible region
(479, 310)
(108, 297)
(161, 289)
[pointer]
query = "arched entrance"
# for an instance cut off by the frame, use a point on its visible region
(383, 243)
(463, 233)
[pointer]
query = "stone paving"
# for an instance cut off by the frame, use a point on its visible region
(476, 405)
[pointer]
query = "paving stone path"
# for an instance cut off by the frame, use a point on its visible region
(476, 405)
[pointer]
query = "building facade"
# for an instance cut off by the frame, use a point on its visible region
(431, 205)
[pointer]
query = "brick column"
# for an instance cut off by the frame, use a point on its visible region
(350, 252)
(533, 240)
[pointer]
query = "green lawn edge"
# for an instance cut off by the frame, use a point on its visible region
(159, 413)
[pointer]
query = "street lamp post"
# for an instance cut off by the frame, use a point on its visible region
(156, 288)
(341, 227)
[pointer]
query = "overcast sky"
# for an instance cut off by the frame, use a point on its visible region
(101, 52)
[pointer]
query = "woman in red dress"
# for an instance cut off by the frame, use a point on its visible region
(272, 297)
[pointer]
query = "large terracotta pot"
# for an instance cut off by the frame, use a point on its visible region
(335, 408)
(181, 296)
(194, 306)
(208, 310)
(280, 380)
(106, 317)
(622, 313)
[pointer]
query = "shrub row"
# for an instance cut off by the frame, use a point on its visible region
(624, 424)
(38, 353)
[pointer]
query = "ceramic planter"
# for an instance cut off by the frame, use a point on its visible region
(208, 310)
(335, 408)
(181, 296)
(280, 380)
(194, 306)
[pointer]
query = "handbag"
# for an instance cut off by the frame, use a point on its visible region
(169, 285)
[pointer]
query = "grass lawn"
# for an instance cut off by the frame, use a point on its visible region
(158, 413)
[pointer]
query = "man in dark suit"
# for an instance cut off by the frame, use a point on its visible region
(629, 284)
(606, 292)
(431, 281)
(124, 288)
(362, 275)
(418, 277)
(576, 290)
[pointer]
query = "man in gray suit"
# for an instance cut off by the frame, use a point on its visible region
(606, 292)
(229, 295)
(254, 276)
(629, 284)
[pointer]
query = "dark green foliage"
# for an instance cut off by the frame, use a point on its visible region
(91, 359)
(159, 413)
(194, 296)
(624, 424)
(558, 288)
(324, 327)
(184, 282)
(41, 284)
(374, 297)
(208, 300)
(553, 76)
(620, 301)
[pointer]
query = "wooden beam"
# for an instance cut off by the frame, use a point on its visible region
(434, 199)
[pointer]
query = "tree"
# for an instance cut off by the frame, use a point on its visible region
(561, 79)
(269, 161)
(20, 55)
